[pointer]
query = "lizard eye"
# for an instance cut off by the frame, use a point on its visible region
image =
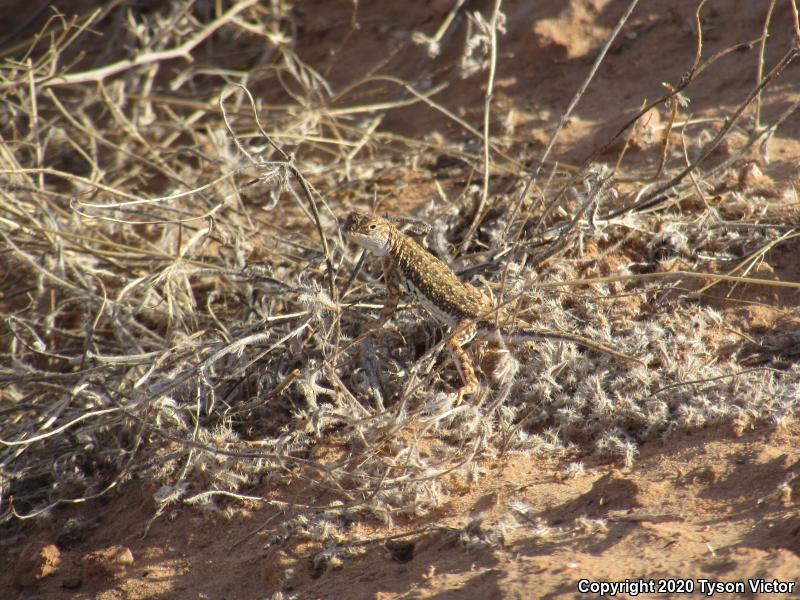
(372, 226)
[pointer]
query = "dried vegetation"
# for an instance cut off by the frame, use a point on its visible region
(178, 305)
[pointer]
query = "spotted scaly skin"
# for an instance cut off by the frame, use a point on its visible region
(434, 284)
(431, 282)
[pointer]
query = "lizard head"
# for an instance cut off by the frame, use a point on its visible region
(371, 233)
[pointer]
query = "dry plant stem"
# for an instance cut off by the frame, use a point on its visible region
(657, 196)
(23, 24)
(487, 113)
(693, 72)
(49, 29)
(592, 199)
(58, 43)
(673, 114)
(625, 149)
(419, 96)
(80, 500)
(398, 536)
(710, 379)
(695, 183)
(756, 137)
(215, 450)
(35, 266)
(686, 79)
(390, 104)
(426, 98)
(116, 249)
(97, 185)
(250, 534)
(183, 51)
(582, 89)
(288, 163)
(748, 262)
(563, 120)
(53, 432)
(795, 21)
(34, 125)
(285, 382)
(365, 139)
(671, 275)
(125, 124)
(761, 52)
(433, 42)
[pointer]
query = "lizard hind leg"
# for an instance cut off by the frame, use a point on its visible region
(463, 334)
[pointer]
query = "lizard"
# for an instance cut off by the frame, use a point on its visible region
(465, 308)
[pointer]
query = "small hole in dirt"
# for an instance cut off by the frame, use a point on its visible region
(401, 551)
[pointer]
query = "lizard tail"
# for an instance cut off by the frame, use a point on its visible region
(526, 334)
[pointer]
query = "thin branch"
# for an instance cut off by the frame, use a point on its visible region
(658, 195)
(183, 51)
(487, 112)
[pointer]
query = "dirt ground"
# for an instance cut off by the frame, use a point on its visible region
(705, 506)
(713, 505)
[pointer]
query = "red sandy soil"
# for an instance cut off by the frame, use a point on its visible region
(702, 506)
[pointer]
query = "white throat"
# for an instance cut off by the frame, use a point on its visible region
(376, 246)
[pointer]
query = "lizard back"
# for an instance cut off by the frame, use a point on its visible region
(425, 277)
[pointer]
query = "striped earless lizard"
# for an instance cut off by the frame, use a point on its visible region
(461, 306)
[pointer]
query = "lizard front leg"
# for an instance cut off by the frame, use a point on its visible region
(463, 333)
(391, 280)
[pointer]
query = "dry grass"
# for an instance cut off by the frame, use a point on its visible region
(177, 303)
